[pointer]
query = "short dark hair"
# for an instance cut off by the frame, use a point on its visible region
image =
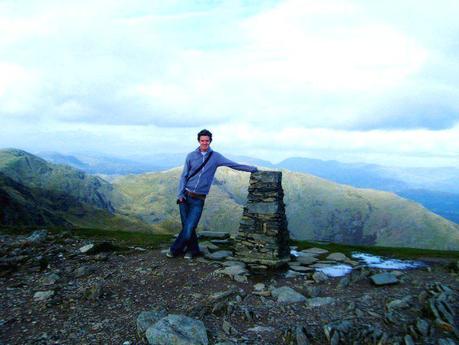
(205, 133)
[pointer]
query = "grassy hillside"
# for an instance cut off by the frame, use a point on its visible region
(151, 198)
(316, 210)
(34, 193)
(34, 172)
(24, 207)
(321, 210)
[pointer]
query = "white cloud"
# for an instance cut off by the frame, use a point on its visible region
(292, 77)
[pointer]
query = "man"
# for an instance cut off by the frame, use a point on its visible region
(195, 181)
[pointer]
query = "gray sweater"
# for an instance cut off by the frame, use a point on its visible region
(201, 182)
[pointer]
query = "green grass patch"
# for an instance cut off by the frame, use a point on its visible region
(141, 239)
(396, 252)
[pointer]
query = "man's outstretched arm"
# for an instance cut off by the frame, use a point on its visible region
(223, 161)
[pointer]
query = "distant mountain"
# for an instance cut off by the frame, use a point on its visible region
(357, 174)
(34, 193)
(58, 158)
(316, 210)
(435, 188)
(441, 203)
(102, 164)
(107, 165)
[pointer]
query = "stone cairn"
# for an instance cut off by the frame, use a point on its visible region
(263, 238)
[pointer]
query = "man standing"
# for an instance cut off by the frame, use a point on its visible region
(195, 181)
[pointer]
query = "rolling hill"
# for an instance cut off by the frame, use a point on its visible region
(317, 209)
(434, 188)
(35, 193)
(34, 172)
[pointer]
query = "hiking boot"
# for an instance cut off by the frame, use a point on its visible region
(169, 254)
(188, 256)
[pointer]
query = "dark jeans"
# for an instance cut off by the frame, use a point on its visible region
(187, 240)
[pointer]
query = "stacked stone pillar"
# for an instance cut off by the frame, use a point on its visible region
(263, 237)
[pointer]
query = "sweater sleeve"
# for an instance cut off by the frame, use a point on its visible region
(223, 161)
(183, 177)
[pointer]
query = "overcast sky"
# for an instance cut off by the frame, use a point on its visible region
(372, 81)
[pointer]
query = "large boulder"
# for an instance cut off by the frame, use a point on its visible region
(306, 259)
(287, 295)
(337, 257)
(177, 330)
(146, 319)
(384, 279)
(37, 236)
(220, 255)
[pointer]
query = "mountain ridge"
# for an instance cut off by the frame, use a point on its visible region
(317, 209)
(429, 182)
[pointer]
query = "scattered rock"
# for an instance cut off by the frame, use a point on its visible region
(446, 341)
(322, 265)
(300, 268)
(94, 291)
(287, 295)
(313, 291)
(222, 295)
(221, 242)
(43, 295)
(399, 303)
(344, 282)
(237, 273)
(408, 340)
(177, 329)
(292, 274)
(100, 247)
(337, 257)
(261, 329)
(264, 293)
(219, 255)
(50, 279)
(384, 279)
(306, 260)
(86, 248)
(211, 247)
(84, 271)
(319, 277)
(351, 262)
(317, 251)
(147, 319)
(37, 236)
(422, 326)
(259, 287)
(233, 263)
(228, 328)
(301, 336)
(319, 301)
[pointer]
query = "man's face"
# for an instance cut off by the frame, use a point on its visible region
(204, 142)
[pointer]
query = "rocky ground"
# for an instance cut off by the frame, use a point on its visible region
(58, 289)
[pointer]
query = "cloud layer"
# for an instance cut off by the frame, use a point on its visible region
(340, 71)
